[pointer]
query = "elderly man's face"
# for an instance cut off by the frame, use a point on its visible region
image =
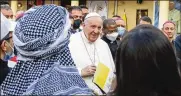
(169, 30)
(76, 14)
(7, 13)
(92, 28)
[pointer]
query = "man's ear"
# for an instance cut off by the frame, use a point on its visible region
(3, 45)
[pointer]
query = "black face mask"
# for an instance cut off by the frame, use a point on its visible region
(76, 24)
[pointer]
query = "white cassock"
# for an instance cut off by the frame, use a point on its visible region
(84, 53)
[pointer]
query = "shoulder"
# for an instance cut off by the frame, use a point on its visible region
(75, 36)
(176, 12)
(102, 42)
(178, 41)
(105, 39)
(178, 38)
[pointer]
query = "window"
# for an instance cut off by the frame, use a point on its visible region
(140, 13)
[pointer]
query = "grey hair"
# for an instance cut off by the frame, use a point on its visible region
(6, 7)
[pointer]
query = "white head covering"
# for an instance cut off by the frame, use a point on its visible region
(5, 25)
(12, 26)
(93, 14)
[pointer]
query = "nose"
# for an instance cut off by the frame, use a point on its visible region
(170, 31)
(96, 30)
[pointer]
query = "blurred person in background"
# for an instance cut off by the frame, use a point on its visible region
(145, 20)
(83, 18)
(146, 64)
(2, 2)
(111, 35)
(115, 17)
(120, 25)
(84, 13)
(84, 9)
(169, 30)
(175, 16)
(6, 47)
(7, 11)
(73, 30)
(76, 13)
(178, 46)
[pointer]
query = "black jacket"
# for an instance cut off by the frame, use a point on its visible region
(178, 46)
(4, 70)
(112, 45)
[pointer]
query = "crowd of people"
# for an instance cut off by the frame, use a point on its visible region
(71, 51)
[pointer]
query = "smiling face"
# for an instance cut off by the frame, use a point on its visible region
(92, 28)
(169, 30)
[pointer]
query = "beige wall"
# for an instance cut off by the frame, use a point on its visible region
(110, 8)
(56, 2)
(47, 1)
(24, 3)
(24, 7)
(131, 7)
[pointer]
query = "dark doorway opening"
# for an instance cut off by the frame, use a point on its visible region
(82, 2)
(65, 3)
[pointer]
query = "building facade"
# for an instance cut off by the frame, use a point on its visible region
(133, 9)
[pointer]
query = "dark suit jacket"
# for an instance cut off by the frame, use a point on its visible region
(4, 70)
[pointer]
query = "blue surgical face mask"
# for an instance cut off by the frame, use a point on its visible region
(9, 55)
(121, 31)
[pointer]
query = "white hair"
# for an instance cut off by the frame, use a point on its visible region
(6, 7)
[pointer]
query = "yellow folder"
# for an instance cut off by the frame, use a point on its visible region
(101, 76)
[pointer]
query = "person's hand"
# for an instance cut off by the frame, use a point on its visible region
(88, 71)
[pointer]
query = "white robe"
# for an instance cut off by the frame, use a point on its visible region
(82, 59)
